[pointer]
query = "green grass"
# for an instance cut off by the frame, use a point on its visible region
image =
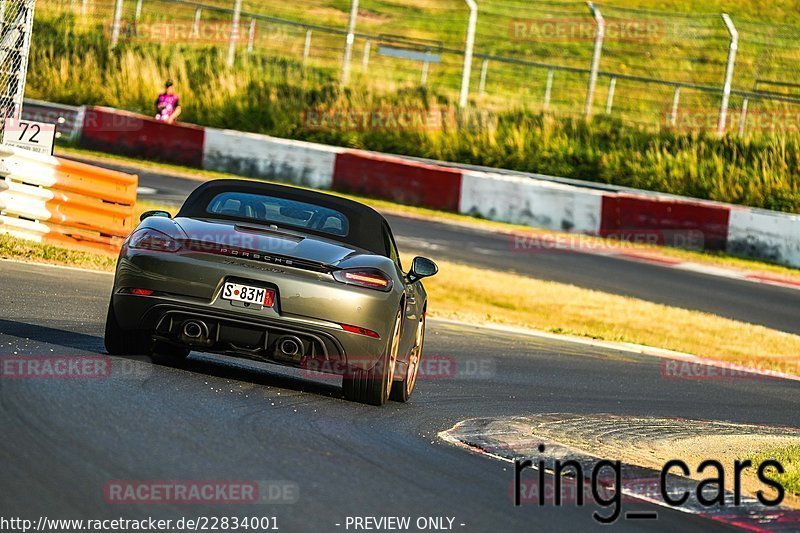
(682, 48)
(24, 250)
(270, 92)
(789, 457)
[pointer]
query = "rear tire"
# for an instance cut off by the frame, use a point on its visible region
(374, 386)
(120, 341)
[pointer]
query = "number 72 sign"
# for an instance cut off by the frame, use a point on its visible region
(29, 135)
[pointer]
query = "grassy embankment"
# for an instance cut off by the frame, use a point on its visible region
(789, 458)
(71, 63)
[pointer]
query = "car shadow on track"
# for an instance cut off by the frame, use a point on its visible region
(51, 336)
(231, 368)
(206, 364)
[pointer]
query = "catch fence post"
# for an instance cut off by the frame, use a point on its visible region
(726, 88)
(348, 47)
(468, 49)
(598, 50)
(234, 36)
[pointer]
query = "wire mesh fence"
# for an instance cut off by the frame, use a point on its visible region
(655, 69)
(16, 20)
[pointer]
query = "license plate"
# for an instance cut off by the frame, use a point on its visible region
(247, 294)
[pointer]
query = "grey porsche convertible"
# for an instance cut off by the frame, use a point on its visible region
(276, 274)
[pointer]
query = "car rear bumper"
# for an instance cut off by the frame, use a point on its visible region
(199, 277)
(308, 305)
(323, 346)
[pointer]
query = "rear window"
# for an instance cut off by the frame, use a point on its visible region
(279, 211)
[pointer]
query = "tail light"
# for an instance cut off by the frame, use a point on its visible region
(139, 292)
(370, 278)
(150, 239)
(142, 292)
(360, 331)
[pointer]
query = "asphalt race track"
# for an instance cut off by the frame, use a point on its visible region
(770, 306)
(213, 418)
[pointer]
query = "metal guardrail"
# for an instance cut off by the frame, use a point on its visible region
(16, 24)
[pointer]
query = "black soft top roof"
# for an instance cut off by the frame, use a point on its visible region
(366, 224)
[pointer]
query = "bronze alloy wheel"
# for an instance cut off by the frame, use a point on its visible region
(401, 392)
(416, 357)
(394, 347)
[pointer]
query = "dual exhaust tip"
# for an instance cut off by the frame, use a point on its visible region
(195, 332)
(287, 346)
(290, 347)
(195, 329)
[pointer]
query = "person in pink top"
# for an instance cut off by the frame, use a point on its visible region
(168, 105)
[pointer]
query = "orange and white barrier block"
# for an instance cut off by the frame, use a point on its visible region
(61, 202)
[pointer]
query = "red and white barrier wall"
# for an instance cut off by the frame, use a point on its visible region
(125, 133)
(529, 202)
(666, 220)
(399, 180)
(260, 156)
(764, 234)
(518, 199)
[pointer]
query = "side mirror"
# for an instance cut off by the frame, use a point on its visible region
(422, 267)
(156, 213)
